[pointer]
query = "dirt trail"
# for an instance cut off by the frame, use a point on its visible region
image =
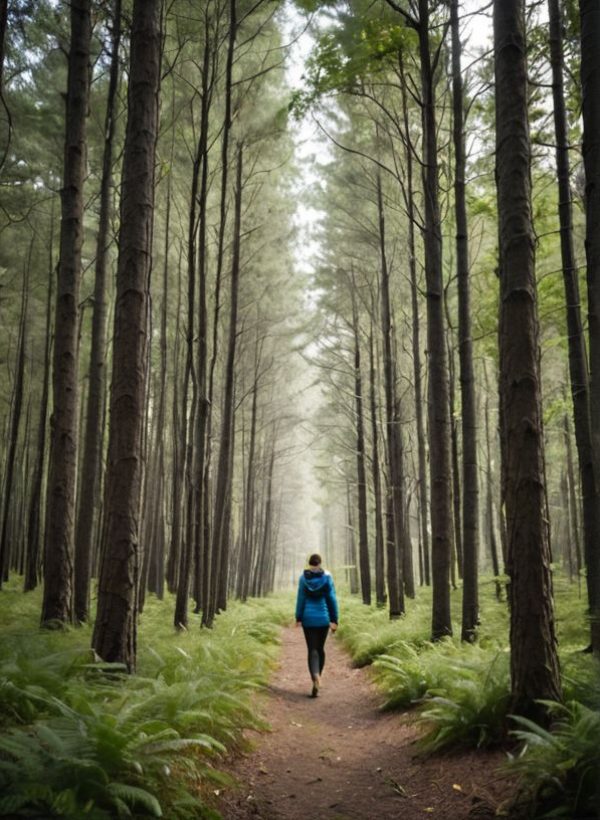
(338, 757)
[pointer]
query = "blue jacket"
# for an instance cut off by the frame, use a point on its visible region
(316, 604)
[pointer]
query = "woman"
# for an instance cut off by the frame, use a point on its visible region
(317, 611)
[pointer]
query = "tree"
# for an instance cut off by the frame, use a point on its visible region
(470, 490)
(15, 420)
(590, 86)
(32, 565)
(534, 660)
(438, 402)
(114, 636)
(62, 467)
(363, 534)
(221, 532)
(395, 506)
(89, 489)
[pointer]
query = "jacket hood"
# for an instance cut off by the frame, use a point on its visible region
(315, 581)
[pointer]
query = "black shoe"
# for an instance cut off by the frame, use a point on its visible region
(315, 689)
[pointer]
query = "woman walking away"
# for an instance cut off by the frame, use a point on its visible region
(317, 611)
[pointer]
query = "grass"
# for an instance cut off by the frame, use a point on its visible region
(83, 739)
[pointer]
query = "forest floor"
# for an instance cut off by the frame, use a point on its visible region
(338, 756)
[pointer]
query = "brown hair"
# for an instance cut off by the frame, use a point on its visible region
(314, 560)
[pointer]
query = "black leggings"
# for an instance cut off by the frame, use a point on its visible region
(315, 641)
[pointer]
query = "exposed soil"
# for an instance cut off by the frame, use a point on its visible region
(337, 756)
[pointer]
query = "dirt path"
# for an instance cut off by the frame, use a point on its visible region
(337, 756)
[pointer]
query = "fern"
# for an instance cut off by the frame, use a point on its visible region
(83, 740)
(133, 796)
(560, 768)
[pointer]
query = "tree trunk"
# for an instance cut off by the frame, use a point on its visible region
(352, 562)
(3, 27)
(247, 534)
(395, 526)
(16, 404)
(438, 407)
(406, 551)
(146, 547)
(416, 339)
(188, 426)
(210, 573)
(224, 557)
(223, 481)
(267, 534)
(456, 555)
(89, 487)
(62, 467)
(490, 503)
(201, 544)
(159, 530)
(574, 547)
(177, 477)
(534, 659)
(590, 83)
(361, 474)
(115, 631)
(32, 565)
(376, 472)
(470, 489)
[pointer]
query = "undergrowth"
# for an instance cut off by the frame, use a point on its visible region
(81, 739)
(560, 769)
(461, 693)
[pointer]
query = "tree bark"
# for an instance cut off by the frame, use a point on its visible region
(220, 531)
(490, 503)
(210, 573)
(534, 660)
(438, 407)
(470, 489)
(352, 562)
(249, 513)
(62, 467)
(201, 544)
(89, 487)
(376, 472)
(177, 476)
(575, 545)
(416, 340)
(575, 540)
(361, 474)
(395, 526)
(16, 404)
(115, 631)
(590, 84)
(456, 554)
(188, 425)
(578, 366)
(32, 565)
(3, 28)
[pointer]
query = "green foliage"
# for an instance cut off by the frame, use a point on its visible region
(580, 676)
(83, 739)
(367, 632)
(560, 768)
(470, 709)
(346, 55)
(461, 691)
